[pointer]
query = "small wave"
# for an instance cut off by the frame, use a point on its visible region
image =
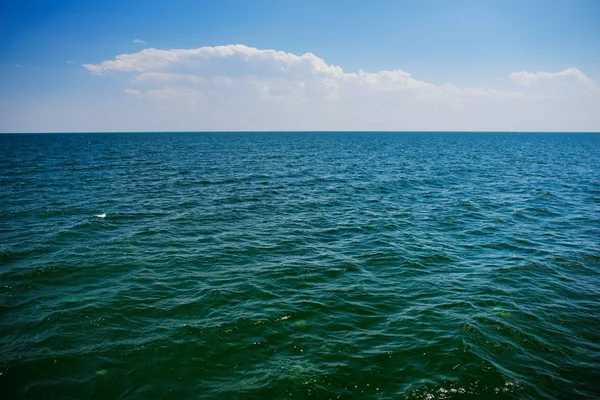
(100, 215)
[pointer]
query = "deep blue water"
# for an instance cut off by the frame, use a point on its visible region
(300, 265)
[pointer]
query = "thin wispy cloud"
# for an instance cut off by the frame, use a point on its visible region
(138, 41)
(526, 78)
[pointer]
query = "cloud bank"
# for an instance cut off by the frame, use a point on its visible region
(240, 87)
(237, 87)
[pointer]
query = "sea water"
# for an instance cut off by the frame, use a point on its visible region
(300, 265)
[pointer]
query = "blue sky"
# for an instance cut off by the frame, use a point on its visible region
(453, 50)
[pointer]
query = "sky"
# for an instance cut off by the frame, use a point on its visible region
(414, 65)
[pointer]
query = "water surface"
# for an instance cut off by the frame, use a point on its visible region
(300, 265)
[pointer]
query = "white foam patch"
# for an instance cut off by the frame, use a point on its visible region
(101, 215)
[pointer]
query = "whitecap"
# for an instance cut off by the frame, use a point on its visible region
(101, 215)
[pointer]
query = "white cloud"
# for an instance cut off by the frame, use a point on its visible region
(237, 87)
(277, 74)
(149, 60)
(173, 93)
(271, 74)
(526, 78)
(133, 92)
(138, 41)
(165, 76)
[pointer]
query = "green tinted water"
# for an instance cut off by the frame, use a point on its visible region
(300, 265)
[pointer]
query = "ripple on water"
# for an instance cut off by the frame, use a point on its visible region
(288, 265)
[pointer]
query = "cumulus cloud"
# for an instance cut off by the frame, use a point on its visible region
(237, 87)
(273, 74)
(279, 74)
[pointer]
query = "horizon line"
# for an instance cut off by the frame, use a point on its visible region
(288, 131)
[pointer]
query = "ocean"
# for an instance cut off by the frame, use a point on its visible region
(275, 265)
